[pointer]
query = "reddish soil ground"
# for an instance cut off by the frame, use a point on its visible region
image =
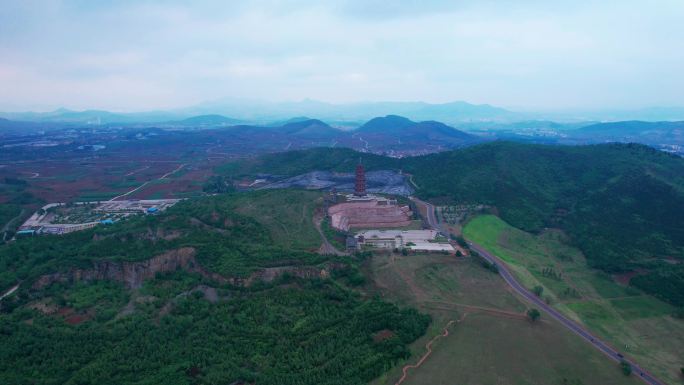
(67, 180)
(382, 335)
(71, 317)
(428, 348)
(624, 278)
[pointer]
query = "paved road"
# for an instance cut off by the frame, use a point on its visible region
(555, 314)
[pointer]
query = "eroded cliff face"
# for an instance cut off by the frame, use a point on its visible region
(133, 274)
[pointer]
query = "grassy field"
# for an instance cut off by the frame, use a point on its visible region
(630, 320)
(491, 341)
(286, 213)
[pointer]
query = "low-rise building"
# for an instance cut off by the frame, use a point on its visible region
(417, 240)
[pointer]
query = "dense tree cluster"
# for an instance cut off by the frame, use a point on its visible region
(317, 333)
(288, 331)
(218, 184)
(226, 242)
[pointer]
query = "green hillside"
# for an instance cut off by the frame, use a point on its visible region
(213, 320)
(621, 204)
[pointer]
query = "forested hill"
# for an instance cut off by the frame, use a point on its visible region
(622, 204)
(214, 290)
(619, 201)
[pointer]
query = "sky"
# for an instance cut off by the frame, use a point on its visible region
(524, 54)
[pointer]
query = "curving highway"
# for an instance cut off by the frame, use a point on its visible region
(531, 297)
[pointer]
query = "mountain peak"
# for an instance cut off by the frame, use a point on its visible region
(209, 120)
(387, 124)
(305, 124)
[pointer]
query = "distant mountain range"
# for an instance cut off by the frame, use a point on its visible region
(265, 112)
(212, 120)
(632, 128)
(346, 127)
(391, 133)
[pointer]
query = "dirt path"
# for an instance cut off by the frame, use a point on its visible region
(9, 292)
(417, 292)
(137, 171)
(428, 348)
(326, 247)
(472, 308)
(148, 182)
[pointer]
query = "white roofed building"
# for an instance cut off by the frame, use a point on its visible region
(418, 240)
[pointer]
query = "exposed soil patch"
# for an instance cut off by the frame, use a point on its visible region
(382, 335)
(624, 278)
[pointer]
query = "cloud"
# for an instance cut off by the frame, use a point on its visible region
(137, 55)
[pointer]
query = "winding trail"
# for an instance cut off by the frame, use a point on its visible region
(428, 348)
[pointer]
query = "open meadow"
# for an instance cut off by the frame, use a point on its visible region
(490, 339)
(635, 323)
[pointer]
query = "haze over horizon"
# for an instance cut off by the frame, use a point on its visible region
(139, 56)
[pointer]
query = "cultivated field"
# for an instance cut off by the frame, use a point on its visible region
(635, 323)
(490, 340)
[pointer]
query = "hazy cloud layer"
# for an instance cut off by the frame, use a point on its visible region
(140, 55)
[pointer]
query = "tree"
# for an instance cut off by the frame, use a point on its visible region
(218, 184)
(533, 314)
(626, 368)
(461, 241)
(538, 290)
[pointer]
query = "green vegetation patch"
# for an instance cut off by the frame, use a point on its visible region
(233, 235)
(622, 315)
(641, 307)
(86, 295)
(591, 311)
(286, 214)
(187, 328)
(299, 162)
(486, 230)
(620, 204)
(336, 237)
(607, 288)
(317, 333)
(96, 196)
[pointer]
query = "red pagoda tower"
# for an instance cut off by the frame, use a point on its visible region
(360, 185)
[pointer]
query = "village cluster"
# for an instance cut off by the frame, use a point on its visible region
(63, 218)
